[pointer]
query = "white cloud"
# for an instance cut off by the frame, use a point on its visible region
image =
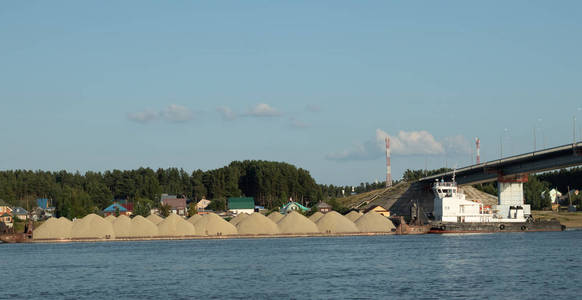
(227, 113)
(410, 143)
(404, 143)
(263, 110)
(177, 113)
(145, 116)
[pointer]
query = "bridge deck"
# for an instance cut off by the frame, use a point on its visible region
(533, 162)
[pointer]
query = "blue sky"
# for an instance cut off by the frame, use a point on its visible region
(195, 85)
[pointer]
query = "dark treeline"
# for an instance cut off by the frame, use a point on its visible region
(564, 178)
(75, 194)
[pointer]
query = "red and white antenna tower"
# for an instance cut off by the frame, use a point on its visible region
(388, 168)
(478, 144)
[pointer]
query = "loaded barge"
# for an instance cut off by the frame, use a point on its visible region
(452, 213)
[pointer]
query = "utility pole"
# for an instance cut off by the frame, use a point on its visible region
(534, 132)
(500, 147)
(574, 130)
(478, 146)
(388, 166)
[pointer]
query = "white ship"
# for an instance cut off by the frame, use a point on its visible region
(450, 205)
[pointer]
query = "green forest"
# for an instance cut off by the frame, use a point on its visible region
(75, 194)
(270, 183)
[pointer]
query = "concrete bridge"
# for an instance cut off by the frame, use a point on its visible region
(510, 174)
(515, 168)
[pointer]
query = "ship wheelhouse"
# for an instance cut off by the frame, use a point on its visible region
(450, 204)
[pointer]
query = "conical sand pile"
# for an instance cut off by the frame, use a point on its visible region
(238, 218)
(333, 222)
(92, 227)
(110, 218)
(155, 219)
(212, 224)
(54, 228)
(296, 223)
(275, 216)
(256, 223)
(353, 215)
(142, 227)
(374, 222)
(122, 226)
(315, 217)
(175, 225)
(195, 218)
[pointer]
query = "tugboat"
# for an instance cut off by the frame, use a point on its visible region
(455, 214)
(7, 235)
(415, 226)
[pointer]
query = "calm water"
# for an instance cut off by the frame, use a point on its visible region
(509, 266)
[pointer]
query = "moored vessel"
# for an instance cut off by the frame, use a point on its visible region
(453, 213)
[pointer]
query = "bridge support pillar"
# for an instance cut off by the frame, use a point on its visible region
(510, 200)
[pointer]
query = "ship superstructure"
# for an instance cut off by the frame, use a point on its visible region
(450, 205)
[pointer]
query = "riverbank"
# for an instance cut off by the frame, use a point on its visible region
(214, 237)
(572, 220)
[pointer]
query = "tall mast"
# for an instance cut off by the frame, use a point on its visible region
(388, 167)
(478, 144)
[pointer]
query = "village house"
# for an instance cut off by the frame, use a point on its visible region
(6, 219)
(202, 205)
(20, 213)
(115, 208)
(177, 205)
(44, 209)
(4, 208)
(293, 206)
(323, 207)
(239, 205)
(379, 209)
(5, 213)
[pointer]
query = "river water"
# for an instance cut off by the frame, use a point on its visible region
(507, 266)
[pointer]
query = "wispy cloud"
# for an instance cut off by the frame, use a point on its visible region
(263, 110)
(145, 116)
(172, 113)
(313, 108)
(295, 123)
(177, 113)
(227, 113)
(404, 143)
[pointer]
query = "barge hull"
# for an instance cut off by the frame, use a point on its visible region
(449, 227)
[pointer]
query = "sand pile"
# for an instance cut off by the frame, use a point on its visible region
(54, 228)
(175, 225)
(333, 222)
(212, 224)
(296, 223)
(374, 222)
(92, 227)
(195, 218)
(122, 226)
(275, 216)
(155, 219)
(315, 217)
(142, 227)
(256, 223)
(238, 218)
(110, 218)
(353, 215)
